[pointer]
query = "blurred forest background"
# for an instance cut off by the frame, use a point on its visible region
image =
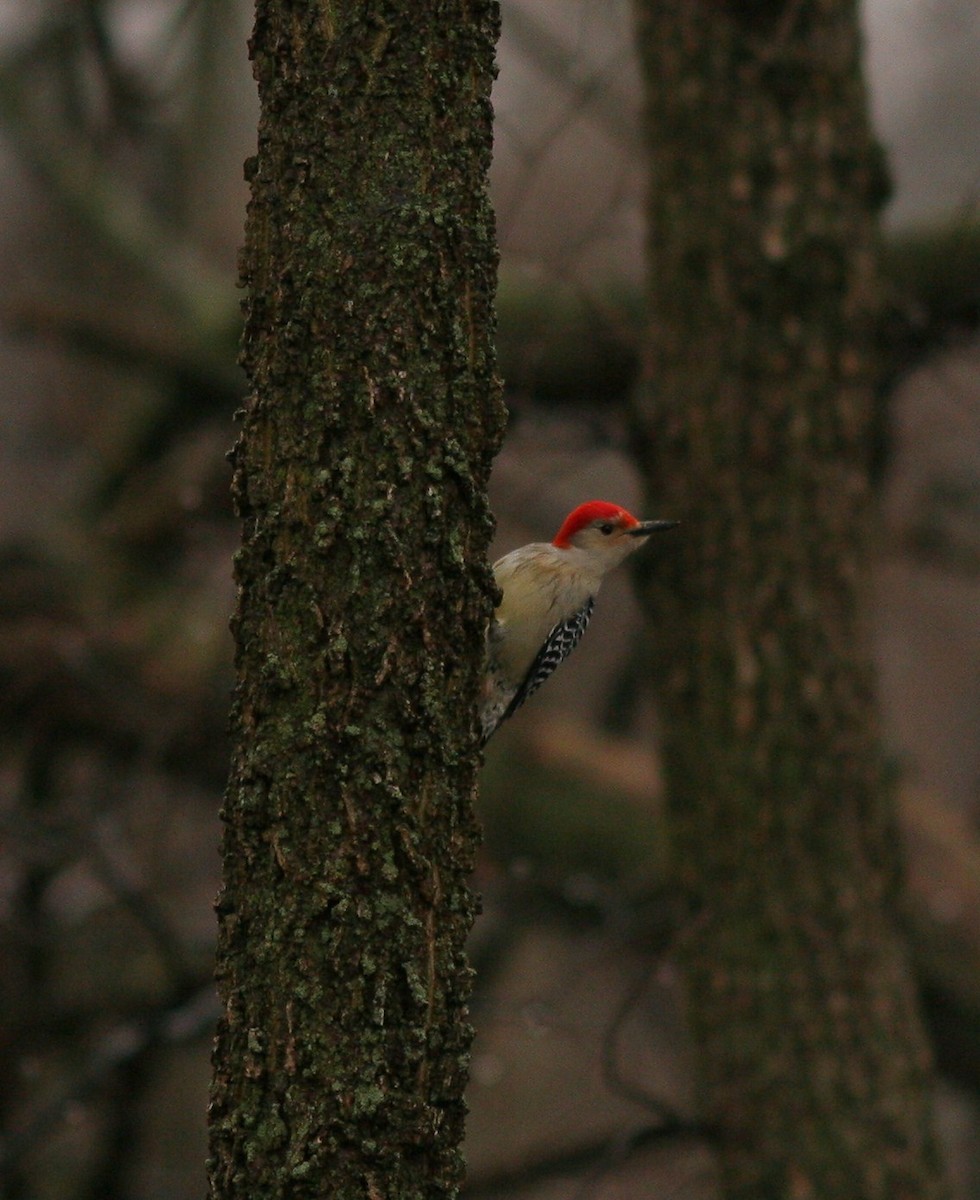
(123, 126)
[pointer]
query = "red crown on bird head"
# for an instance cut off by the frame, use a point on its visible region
(585, 514)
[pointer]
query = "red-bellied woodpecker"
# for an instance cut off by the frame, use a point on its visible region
(548, 594)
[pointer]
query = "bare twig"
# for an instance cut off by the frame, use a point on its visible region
(613, 1077)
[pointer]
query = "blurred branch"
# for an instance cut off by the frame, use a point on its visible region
(123, 1114)
(72, 684)
(575, 1159)
(943, 856)
(124, 337)
(943, 865)
(575, 345)
(114, 212)
(201, 381)
(936, 269)
(143, 908)
(613, 1076)
(190, 1015)
(596, 93)
(946, 527)
(126, 99)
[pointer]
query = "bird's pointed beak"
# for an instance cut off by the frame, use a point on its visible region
(645, 528)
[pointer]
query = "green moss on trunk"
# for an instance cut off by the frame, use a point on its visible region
(754, 428)
(360, 476)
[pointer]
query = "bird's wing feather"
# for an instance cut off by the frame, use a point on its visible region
(559, 643)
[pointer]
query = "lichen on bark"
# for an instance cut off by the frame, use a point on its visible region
(360, 476)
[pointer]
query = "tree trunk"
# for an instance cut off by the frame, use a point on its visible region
(754, 428)
(360, 476)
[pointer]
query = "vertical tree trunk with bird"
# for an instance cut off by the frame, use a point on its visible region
(360, 477)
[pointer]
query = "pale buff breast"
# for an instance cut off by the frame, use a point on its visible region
(542, 585)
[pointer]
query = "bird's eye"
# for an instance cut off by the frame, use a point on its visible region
(606, 528)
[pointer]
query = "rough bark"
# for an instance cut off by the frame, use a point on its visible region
(754, 429)
(360, 476)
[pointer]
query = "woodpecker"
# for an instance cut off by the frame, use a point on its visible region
(549, 592)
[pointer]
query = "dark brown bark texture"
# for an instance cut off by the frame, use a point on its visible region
(753, 428)
(360, 475)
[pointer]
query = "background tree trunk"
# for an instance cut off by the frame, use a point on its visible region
(360, 475)
(755, 429)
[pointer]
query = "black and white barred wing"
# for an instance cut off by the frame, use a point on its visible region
(559, 643)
